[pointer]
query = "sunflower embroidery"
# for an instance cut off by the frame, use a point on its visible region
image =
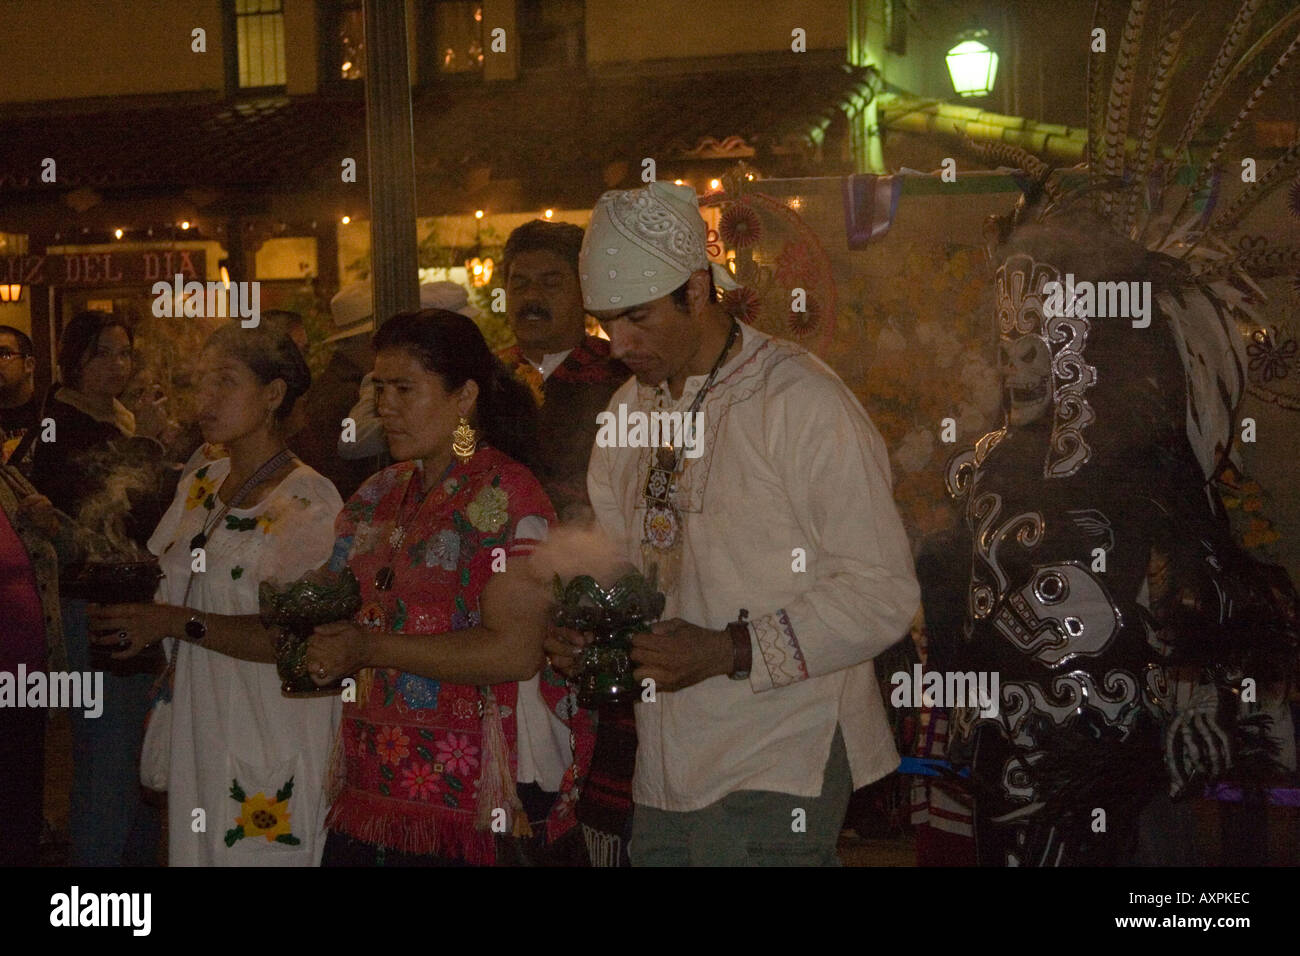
(261, 816)
(201, 491)
(487, 512)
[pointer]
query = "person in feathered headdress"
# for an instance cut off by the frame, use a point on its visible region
(1104, 585)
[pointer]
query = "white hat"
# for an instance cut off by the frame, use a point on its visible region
(354, 313)
(642, 244)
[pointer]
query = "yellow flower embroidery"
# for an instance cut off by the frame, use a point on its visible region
(200, 489)
(261, 816)
(488, 512)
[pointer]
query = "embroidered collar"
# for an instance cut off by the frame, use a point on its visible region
(750, 340)
(588, 361)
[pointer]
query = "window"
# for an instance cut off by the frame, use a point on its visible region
(452, 37)
(256, 57)
(551, 34)
(896, 26)
(349, 42)
(341, 45)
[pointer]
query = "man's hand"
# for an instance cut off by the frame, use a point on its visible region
(676, 654)
(563, 648)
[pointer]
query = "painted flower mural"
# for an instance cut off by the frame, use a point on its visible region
(931, 361)
(742, 304)
(740, 226)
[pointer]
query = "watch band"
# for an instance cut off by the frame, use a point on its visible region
(742, 651)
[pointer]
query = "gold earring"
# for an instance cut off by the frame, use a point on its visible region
(464, 440)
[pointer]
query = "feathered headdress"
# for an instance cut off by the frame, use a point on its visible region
(1207, 284)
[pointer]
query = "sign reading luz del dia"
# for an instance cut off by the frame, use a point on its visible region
(104, 268)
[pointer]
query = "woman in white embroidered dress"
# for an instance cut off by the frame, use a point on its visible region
(251, 759)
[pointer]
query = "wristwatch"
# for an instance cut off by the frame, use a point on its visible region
(195, 629)
(741, 650)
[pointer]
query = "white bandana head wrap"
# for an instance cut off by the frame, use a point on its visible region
(641, 245)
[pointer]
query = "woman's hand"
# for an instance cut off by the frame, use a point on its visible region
(337, 650)
(151, 414)
(138, 625)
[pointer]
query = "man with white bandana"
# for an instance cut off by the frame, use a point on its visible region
(779, 548)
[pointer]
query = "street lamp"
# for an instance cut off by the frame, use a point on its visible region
(972, 66)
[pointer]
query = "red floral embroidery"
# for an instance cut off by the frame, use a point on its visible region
(458, 754)
(393, 745)
(420, 781)
(589, 363)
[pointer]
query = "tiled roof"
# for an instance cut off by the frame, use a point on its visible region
(574, 130)
(533, 131)
(269, 143)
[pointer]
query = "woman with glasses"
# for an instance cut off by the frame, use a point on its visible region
(89, 446)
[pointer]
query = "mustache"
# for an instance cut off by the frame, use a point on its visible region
(538, 310)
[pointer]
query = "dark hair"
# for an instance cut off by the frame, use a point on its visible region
(24, 342)
(678, 295)
(451, 346)
(562, 238)
(292, 320)
(269, 354)
(80, 336)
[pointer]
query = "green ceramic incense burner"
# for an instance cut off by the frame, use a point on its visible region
(613, 616)
(297, 609)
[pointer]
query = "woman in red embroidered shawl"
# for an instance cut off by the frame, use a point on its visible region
(451, 617)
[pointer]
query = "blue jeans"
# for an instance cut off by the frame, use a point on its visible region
(110, 824)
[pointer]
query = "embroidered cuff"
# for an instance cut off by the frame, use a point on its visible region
(780, 651)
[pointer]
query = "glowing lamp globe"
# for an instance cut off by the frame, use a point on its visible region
(973, 67)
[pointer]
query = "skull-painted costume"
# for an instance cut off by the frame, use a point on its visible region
(1101, 561)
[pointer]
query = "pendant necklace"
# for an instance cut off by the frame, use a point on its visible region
(385, 576)
(200, 540)
(268, 468)
(662, 525)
